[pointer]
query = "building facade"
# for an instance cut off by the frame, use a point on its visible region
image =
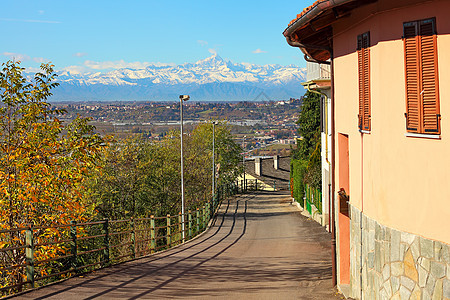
(390, 118)
(318, 80)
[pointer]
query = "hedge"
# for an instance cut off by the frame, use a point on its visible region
(298, 171)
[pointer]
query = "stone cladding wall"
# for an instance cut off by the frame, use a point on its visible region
(395, 264)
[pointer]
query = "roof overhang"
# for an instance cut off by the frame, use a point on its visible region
(312, 30)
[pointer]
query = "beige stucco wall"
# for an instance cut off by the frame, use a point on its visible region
(402, 182)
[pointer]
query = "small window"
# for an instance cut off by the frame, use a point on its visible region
(421, 68)
(363, 50)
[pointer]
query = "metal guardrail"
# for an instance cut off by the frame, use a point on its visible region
(251, 185)
(38, 255)
(315, 71)
(313, 196)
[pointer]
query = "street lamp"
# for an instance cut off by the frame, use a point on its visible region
(243, 161)
(182, 98)
(214, 123)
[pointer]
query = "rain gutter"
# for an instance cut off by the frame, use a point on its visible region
(312, 13)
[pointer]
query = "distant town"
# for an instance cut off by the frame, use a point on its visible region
(263, 128)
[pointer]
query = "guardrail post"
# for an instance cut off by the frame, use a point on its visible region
(106, 242)
(210, 208)
(204, 218)
(304, 197)
(169, 232)
(198, 220)
(274, 185)
(29, 255)
(190, 224)
(208, 212)
(256, 184)
(180, 228)
(133, 237)
(73, 244)
(152, 234)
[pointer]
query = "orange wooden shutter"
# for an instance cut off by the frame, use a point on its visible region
(360, 82)
(422, 88)
(413, 113)
(364, 81)
(429, 78)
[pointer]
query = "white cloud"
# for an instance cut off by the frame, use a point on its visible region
(41, 12)
(29, 21)
(119, 64)
(76, 69)
(203, 43)
(257, 51)
(80, 54)
(99, 66)
(32, 70)
(40, 60)
(23, 57)
(90, 66)
(213, 51)
(17, 56)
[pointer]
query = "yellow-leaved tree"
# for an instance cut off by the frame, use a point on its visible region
(44, 164)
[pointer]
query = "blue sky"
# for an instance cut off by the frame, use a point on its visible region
(98, 35)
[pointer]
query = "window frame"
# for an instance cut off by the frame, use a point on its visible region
(421, 78)
(364, 86)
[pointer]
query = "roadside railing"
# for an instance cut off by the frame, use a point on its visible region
(313, 196)
(251, 185)
(37, 255)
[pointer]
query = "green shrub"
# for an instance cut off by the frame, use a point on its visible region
(298, 171)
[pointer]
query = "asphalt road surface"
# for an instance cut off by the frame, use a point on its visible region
(259, 247)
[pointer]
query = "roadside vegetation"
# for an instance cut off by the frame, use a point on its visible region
(139, 178)
(54, 173)
(306, 159)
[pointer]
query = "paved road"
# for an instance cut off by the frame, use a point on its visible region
(260, 247)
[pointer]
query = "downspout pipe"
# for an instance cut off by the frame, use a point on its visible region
(333, 154)
(333, 177)
(326, 147)
(326, 119)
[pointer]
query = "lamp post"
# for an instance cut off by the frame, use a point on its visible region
(213, 159)
(243, 161)
(214, 123)
(182, 98)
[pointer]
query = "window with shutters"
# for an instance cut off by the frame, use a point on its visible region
(422, 90)
(363, 49)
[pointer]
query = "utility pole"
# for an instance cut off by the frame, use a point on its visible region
(182, 98)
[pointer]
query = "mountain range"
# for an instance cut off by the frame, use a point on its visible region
(210, 79)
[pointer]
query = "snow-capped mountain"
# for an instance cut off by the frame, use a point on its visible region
(209, 79)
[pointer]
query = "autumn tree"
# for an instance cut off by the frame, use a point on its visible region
(138, 177)
(44, 163)
(141, 177)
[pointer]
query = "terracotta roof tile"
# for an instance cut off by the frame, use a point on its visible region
(306, 10)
